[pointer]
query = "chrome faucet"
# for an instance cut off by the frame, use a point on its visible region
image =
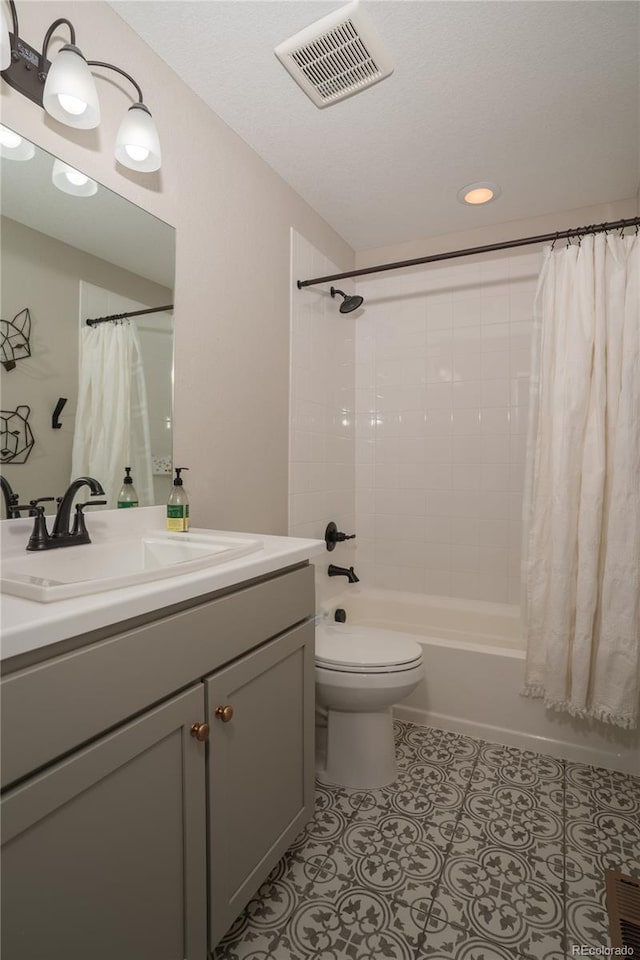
(11, 500)
(61, 536)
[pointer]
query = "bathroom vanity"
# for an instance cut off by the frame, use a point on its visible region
(157, 766)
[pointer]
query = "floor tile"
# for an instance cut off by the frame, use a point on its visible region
(443, 941)
(513, 818)
(247, 944)
(333, 810)
(506, 898)
(600, 839)
(476, 852)
(605, 789)
(394, 856)
(358, 925)
(587, 923)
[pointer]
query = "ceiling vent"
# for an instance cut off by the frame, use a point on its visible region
(336, 57)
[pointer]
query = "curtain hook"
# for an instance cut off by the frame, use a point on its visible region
(555, 240)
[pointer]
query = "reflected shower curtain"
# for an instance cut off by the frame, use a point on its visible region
(581, 560)
(112, 423)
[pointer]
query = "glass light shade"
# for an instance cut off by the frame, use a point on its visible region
(70, 94)
(5, 42)
(13, 146)
(72, 181)
(138, 144)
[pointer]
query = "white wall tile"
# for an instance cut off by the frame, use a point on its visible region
(439, 314)
(466, 421)
(496, 393)
(466, 311)
(467, 449)
(494, 420)
(495, 307)
(442, 366)
(437, 529)
(465, 367)
(494, 364)
(322, 479)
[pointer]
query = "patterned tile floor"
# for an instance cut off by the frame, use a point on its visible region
(477, 852)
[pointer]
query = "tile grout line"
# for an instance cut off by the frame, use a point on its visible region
(272, 955)
(565, 930)
(449, 846)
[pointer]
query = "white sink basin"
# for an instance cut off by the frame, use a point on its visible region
(74, 571)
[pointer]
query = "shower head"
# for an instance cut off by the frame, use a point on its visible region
(348, 303)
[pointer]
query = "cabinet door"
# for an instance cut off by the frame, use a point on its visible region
(260, 767)
(104, 854)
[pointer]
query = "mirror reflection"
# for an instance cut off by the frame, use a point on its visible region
(81, 399)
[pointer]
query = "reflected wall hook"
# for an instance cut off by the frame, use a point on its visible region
(55, 422)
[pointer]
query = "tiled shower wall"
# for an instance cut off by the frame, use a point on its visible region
(322, 421)
(442, 380)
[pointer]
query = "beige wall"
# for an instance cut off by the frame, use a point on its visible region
(44, 275)
(510, 230)
(232, 214)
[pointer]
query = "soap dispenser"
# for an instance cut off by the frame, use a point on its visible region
(127, 496)
(178, 505)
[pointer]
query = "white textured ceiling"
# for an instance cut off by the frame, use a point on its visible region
(542, 97)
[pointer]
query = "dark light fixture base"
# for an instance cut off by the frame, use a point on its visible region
(25, 73)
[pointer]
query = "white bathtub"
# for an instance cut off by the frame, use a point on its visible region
(474, 666)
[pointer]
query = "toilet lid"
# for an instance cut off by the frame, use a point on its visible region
(363, 649)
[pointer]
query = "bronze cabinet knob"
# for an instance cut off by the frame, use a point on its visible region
(224, 713)
(200, 731)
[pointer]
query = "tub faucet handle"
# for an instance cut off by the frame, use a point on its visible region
(332, 536)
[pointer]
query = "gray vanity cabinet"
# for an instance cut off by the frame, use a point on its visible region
(124, 836)
(104, 854)
(260, 771)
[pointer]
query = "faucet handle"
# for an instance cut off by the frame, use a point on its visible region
(332, 536)
(36, 510)
(79, 527)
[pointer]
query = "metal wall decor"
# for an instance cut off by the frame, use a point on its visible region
(16, 437)
(14, 339)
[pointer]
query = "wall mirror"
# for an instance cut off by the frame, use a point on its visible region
(73, 250)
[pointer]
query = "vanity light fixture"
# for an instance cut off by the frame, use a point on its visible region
(5, 42)
(70, 180)
(65, 88)
(478, 193)
(13, 146)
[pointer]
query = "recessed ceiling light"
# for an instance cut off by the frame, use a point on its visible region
(477, 193)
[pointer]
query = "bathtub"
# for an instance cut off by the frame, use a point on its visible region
(473, 671)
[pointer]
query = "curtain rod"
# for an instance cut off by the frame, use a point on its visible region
(125, 316)
(488, 248)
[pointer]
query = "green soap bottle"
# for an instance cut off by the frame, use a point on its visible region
(127, 496)
(178, 505)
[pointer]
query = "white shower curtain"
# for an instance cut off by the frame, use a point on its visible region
(112, 423)
(581, 560)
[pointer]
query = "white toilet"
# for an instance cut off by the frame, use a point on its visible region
(360, 673)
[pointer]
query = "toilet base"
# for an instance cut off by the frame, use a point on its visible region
(360, 750)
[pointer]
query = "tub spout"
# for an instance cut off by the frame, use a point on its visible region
(347, 572)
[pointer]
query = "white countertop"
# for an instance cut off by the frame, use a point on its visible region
(28, 625)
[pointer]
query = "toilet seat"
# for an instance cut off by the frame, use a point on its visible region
(359, 649)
